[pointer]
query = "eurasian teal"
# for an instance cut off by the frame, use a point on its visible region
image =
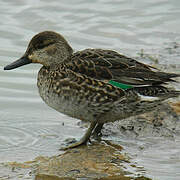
(93, 85)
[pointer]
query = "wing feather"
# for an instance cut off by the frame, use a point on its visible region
(110, 65)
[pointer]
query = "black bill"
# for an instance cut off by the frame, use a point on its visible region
(20, 62)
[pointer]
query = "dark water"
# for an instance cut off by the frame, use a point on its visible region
(28, 128)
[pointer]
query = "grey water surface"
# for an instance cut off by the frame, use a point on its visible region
(28, 127)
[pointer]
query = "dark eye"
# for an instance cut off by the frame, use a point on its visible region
(45, 44)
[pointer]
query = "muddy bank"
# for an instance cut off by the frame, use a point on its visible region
(163, 122)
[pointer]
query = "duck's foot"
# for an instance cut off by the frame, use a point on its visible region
(73, 145)
(83, 140)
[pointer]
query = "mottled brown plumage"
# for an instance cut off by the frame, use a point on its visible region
(87, 84)
(107, 64)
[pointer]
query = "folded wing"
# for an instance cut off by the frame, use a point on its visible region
(110, 65)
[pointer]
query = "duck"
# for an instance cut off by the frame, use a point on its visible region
(94, 85)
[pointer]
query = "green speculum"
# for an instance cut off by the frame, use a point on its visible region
(120, 85)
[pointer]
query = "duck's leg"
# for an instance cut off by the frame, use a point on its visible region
(84, 139)
(97, 130)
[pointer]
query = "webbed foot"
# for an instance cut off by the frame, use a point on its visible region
(83, 140)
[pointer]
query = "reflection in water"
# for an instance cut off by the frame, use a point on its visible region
(28, 127)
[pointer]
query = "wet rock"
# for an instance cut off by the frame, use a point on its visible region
(48, 177)
(96, 160)
(103, 160)
(51, 177)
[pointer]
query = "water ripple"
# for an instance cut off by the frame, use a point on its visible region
(14, 138)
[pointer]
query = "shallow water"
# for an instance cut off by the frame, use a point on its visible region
(28, 128)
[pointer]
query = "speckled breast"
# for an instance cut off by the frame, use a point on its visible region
(54, 90)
